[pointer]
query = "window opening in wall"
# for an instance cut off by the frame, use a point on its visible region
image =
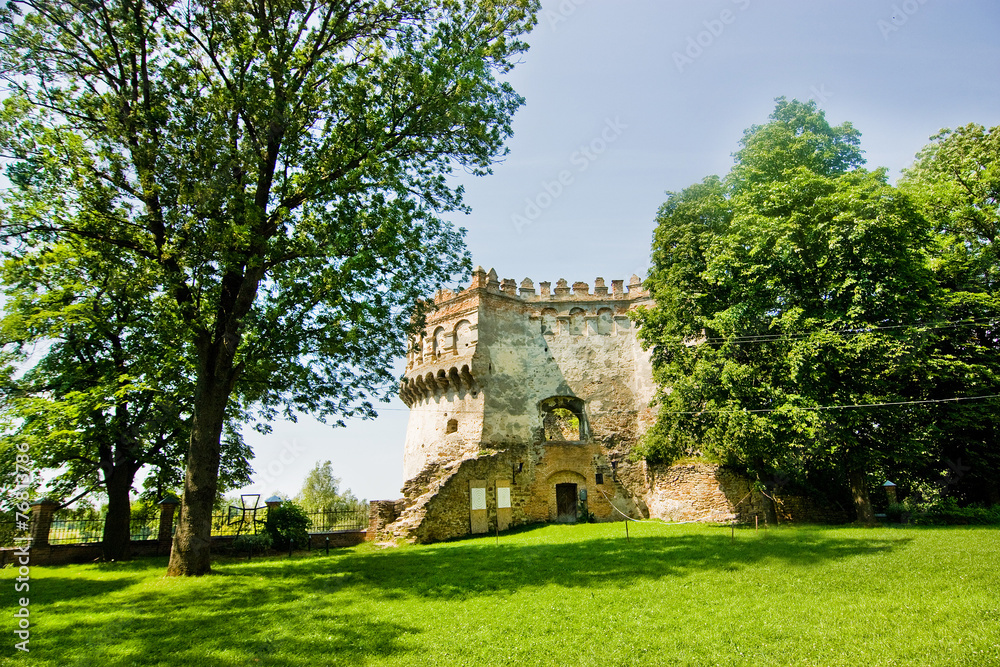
(600, 478)
(452, 426)
(564, 419)
(550, 325)
(561, 425)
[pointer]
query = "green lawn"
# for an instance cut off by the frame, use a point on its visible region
(575, 595)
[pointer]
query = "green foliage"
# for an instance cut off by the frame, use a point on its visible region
(897, 512)
(285, 523)
(253, 543)
(956, 183)
(275, 174)
(145, 509)
(321, 493)
(948, 513)
(799, 283)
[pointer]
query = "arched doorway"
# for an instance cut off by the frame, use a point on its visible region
(565, 488)
(566, 494)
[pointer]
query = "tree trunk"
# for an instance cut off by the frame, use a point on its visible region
(859, 492)
(190, 552)
(116, 543)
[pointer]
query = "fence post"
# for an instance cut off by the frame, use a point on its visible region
(41, 521)
(272, 502)
(165, 534)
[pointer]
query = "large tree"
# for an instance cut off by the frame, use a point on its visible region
(280, 164)
(956, 182)
(784, 297)
(321, 492)
(103, 393)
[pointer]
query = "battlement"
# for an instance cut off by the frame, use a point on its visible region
(579, 291)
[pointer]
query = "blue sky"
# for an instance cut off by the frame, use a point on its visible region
(626, 100)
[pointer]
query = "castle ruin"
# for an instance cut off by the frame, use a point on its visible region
(525, 406)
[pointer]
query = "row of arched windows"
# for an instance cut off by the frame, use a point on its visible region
(604, 325)
(455, 341)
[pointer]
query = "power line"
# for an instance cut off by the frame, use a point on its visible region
(838, 407)
(756, 410)
(769, 338)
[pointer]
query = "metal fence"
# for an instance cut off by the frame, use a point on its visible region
(329, 522)
(76, 531)
(88, 531)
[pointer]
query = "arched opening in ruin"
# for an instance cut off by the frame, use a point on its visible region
(564, 419)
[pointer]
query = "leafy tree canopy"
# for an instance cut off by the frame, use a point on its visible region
(280, 166)
(790, 294)
(321, 492)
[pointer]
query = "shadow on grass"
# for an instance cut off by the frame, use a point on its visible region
(313, 609)
(460, 570)
(66, 589)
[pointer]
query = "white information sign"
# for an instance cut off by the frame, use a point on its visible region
(479, 499)
(503, 496)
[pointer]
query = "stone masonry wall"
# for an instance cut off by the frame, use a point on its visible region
(441, 511)
(708, 492)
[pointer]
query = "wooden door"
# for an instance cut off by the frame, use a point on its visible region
(566, 503)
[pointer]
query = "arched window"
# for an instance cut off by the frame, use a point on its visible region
(439, 342)
(564, 419)
(452, 426)
(576, 322)
(550, 325)
(605, 321)
(463, 337)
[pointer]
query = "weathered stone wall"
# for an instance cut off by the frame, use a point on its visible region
(702, 492)
(440, 509)
(708, 492)
(381, 513)
(800, 509)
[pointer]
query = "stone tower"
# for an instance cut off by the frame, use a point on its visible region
(524, 407)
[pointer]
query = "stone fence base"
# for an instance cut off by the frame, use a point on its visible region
(61, 554)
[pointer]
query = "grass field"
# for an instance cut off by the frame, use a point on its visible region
(576, 595)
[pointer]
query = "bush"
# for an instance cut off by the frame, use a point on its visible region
(285, 523)
(897, 513)
(948, 513)
(252, 543)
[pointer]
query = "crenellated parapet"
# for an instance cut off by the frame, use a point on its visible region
(442, 358)
(525, 291)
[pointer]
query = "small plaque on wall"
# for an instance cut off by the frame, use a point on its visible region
(479, 498)
(503, 497)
